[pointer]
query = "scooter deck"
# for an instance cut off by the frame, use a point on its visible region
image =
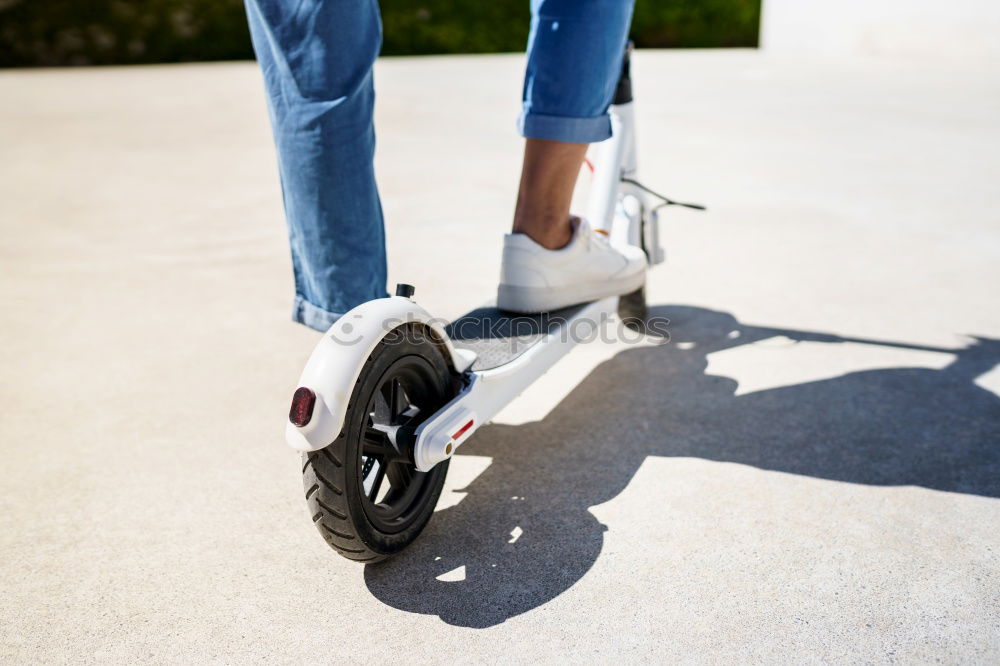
(498, 337)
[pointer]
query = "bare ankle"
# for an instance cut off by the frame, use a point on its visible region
(549, 234)
(548, 176)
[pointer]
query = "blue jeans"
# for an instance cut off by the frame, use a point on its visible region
(317, 57)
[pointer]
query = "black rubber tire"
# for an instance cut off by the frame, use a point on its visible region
(332, 476)
(632, 309)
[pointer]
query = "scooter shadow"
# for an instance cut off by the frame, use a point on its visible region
(899, 426)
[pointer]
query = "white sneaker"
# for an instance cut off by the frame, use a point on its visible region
(533, 279)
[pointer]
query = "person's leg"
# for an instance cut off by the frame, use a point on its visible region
(550, 261)
(548, 177)
(575, 52)
(317, 57)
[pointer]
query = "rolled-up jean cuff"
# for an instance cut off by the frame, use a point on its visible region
(313, 316)
(564, 128)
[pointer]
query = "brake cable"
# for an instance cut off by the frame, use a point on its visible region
(666, 201)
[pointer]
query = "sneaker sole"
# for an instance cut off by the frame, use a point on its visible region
(530, 300)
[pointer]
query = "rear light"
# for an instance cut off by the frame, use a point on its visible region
(303, 402)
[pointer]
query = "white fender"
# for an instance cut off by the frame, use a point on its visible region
(336, 362)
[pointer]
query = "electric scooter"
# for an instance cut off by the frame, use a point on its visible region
(390, 393)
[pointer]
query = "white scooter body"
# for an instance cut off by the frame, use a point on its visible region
(336, 362)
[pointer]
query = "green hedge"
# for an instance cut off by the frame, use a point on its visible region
(102, 32)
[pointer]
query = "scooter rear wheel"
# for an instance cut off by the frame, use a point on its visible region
(365, 495)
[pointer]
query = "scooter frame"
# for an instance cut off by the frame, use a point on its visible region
(616, 207)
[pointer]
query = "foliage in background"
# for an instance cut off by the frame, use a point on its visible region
(101, 32)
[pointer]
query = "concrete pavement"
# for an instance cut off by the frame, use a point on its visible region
(808, 471)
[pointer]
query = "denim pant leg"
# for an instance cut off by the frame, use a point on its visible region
(575, 52)
(317, 57)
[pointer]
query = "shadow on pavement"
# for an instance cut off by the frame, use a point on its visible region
(900, 426)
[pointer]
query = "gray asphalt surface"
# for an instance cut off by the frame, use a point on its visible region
(809, 471)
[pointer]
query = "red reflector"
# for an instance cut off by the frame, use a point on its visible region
(462, 429)
(303, 402)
